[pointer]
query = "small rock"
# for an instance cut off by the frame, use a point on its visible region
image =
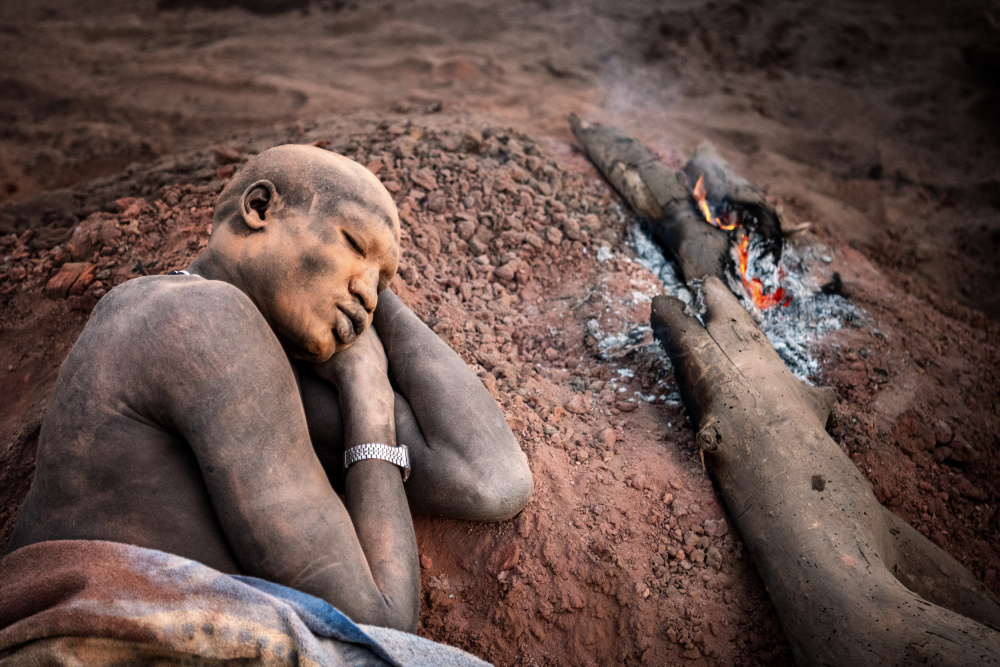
(626, 406)
(440, 599)
(507, 271)
(572, 229)
(609, 437)
(698, 556)
(551, 353)
(554, 236)
(668, 498)
(961, 451)
(425, 178)
(225, 154)
(942, 432)
(578, 405)
(512, 559)
(437, 202)
(72, 279)
(465, 229)
(478, 246)
(716, 528)
(109, 232)
(489, 360)
(472, 141)
(425, 562)
(523, 525)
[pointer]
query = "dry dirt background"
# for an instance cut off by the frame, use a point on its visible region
(876, 122)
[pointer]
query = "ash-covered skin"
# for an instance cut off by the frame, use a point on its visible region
(177, 422)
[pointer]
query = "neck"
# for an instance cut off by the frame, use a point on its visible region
(207, 266)
(213, 264)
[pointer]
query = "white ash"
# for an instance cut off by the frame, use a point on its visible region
(809, 316)
(791, 329)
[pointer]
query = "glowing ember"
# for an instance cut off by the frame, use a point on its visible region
(754, 285)
(700, 195)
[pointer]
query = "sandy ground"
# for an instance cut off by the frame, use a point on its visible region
(875, 122)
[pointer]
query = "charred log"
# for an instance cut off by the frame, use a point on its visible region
(659, 193)
(736, 197)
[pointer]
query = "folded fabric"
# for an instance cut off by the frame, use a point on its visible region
(81, 602)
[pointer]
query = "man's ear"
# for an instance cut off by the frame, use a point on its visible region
(255, 202)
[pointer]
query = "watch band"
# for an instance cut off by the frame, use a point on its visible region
(398, 455)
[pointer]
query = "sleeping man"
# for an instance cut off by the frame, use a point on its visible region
(210, 415)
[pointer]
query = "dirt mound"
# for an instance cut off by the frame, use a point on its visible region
(512, 244)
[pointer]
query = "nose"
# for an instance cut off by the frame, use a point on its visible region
(364, 287)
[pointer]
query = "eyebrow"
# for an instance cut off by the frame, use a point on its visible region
(342, 198)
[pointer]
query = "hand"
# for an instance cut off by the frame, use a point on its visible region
(361, 375)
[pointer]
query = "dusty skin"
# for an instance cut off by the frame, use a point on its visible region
(177, 422)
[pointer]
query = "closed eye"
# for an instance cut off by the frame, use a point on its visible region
(353, 243)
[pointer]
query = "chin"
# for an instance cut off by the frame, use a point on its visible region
(313, 350)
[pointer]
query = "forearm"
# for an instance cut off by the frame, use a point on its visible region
(376, 502)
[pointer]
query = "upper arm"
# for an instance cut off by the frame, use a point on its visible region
(220, 378)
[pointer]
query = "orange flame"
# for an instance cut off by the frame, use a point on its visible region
(700, 195)
(755, 286)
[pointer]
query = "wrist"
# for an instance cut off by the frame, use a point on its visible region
(378, 453)
(365, 427)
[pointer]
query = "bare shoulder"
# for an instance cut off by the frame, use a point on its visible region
(164, 323)
(155, 298)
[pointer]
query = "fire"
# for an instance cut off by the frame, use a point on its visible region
(755, 286)
(700, 194)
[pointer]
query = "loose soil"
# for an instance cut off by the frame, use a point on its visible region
(625, 554)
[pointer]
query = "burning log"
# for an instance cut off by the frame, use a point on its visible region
(852, 583)
(661, 194)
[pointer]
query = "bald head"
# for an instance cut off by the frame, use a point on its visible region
(304, 177)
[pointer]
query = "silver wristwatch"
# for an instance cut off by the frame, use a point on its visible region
(398, 455)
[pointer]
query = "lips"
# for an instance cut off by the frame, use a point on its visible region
(350, 323)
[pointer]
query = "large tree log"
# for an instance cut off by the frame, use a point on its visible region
(851, 582)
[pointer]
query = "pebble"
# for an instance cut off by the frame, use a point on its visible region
(465, 229)
(578, 405)
(554, 236)
(942, 433)
(425, 562)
